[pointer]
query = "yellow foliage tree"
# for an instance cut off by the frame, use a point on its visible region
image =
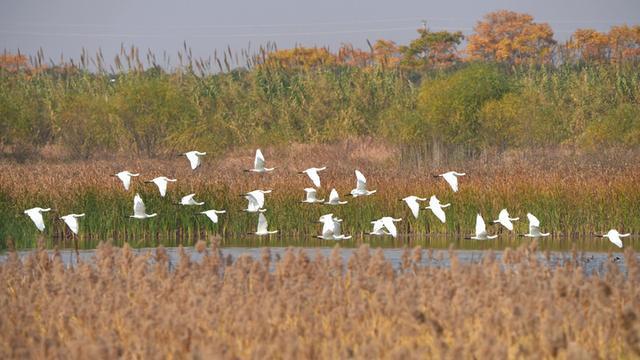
(590, 45)
(625, 43)
(307, 57)
(348, 55)
(512, 37)
(386, 53)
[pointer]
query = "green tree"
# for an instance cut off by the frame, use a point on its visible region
(432, 50)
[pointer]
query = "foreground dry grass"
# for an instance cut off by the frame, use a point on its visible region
(127, 305)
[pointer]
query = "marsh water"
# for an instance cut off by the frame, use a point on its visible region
(592, 254)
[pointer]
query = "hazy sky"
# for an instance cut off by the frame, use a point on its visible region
(65, 26)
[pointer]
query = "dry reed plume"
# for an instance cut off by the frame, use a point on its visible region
(140, 306)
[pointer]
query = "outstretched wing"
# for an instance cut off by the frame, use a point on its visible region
(377, 226)
(388, 223)
(194, 160)
(533, 221)
(439, 213)
(162, 186)
(37, 219)
(452, 180)
(480, 225)
(138, 206)
(311, 194)
(72, 223)
(211, 215)
(258, 162)
(313, 175)
(414, 206)
(327, 228)
(333, 196)
(361, 181)
(262, 223)
(615, 239)
(125, 178)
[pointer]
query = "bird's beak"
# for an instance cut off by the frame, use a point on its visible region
(180, 155)
(435, 176)
(148, 181)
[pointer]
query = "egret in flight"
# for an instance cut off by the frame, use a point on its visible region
(378, 228)
(331, 229)
(412, 202)
(194, 158)
(389, 223)
(311, 196)
(139, 211)
(451, 177)
(534, 227)
(481, 230)
(188, 200)
(614, 236)
(505, 220)
(258, 164)
(263, 226)
(361, 186)
(334, 198)
(312, 173)
(35, 214)
(125, 177)
(72, 222)
(436, 208)
(161, 182)
(256, 200)
(213, 214)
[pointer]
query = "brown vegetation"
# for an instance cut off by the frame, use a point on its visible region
(140, 306)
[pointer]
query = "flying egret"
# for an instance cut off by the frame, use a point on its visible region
(258, 164)
(311, 196)
(481, 230)
(451, 177)
(361, 186)
(412, 202)
(256, 200)
(72, 221)
(614, 236)
(505, 220)
(161, 183)
(436, 208)
(312, 173)
(189, 200)
(194, 158)
(334, 198)
(378, 228)
(35, 214)
(139, 211)
(125, 177)
(263, 226)
(213, 214)
(331, 229)
(534, 227)
(389, 223)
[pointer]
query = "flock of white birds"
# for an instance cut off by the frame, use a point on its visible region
(331, 225)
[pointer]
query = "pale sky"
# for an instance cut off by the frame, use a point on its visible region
(65, 26)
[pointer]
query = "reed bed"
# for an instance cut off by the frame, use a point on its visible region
(573, 194)
(141, 306)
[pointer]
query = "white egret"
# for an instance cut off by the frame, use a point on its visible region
(263, 226)
(125, 177)
(256, 200)
(378, 228)
(213, 214)
(412, 202)
(534, 227)
(389, 223)
(505, 220)
(451, 177)
(188, 200)
(436, 208)
(139, 211)
(35, 214)
(481, 230)
(258, 164)
(331, 229)
(161, 182)
(194, 158)
(361, 186)
(614, 236)
(311, 196)
(312, 173)
(334, 198)
(72, 221)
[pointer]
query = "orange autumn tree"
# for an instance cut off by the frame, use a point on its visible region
(432, 50)
(508, 36)
(590, 45)
(625, 43)
(348, 55)
(14, 62)
(386, 53)
(305, 57)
